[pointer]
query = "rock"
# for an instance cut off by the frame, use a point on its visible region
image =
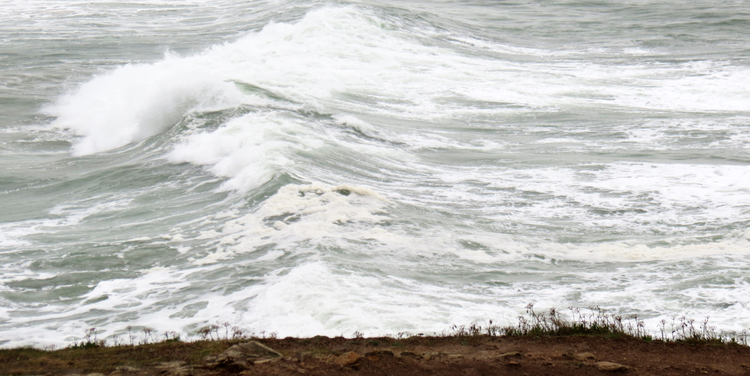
(508, 354)
(241, 356)
(179, 371)
(293, 367)
(266, 361)
(409, 354)
(94, 374)
(346, 359)
(231, 365)
(511, 363)
(127, 369)
(176, 368)
(231, 360)
(455, 356)
(380, 353)
(375, 356)
(252, 349)
(167, 365)
(431, 355)
(579, 356)
(611, 367)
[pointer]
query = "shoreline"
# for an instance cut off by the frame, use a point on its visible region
(594, 342)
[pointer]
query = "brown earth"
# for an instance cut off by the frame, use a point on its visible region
(476, 355)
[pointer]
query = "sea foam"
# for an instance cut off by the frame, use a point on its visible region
(363, 169)
(343, 59)
(137, 101)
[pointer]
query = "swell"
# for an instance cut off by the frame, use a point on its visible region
(361, 168)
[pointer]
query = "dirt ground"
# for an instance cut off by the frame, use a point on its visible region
(478, 355)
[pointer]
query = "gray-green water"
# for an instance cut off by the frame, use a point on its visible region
(328, 167)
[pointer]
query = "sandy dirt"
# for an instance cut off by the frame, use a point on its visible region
(479, 355)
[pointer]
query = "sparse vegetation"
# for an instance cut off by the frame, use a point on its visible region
(89, 340)
(142, 347)
(593, 321)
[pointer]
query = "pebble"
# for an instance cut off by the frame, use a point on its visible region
(611, 367)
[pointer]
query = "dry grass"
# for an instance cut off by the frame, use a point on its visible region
(595, 321)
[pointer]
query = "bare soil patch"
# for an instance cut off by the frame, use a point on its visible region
(471, 355)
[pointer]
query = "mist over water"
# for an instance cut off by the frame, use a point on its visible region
(313, 168)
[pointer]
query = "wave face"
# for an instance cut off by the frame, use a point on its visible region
(319, 169)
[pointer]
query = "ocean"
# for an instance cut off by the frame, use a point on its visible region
(302, 168)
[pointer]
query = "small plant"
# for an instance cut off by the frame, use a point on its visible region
(492, 330)
(89, 340)
(171, 337)
(131, 336)
(147, 336)
(237, 333)
(662, 329)
(90, 335)
(226, 326)
(207, 332)
(358, 335)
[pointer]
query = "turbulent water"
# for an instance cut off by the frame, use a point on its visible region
(319, 168)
